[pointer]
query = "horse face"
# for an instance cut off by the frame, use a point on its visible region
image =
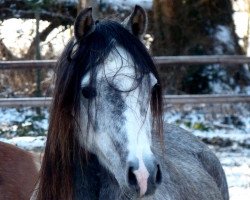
(116, 112)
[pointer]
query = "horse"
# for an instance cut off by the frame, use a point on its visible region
(107, 138)
(18, 173)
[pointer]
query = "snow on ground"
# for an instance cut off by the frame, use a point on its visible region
(208, 122)
(236, 164)
(27, 143)
(23, 121)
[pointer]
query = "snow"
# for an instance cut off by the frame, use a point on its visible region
(234, 135)
(237, 193)
(68, 1)
(12, 114)
(72, 1)
(119, 4)
(210, 122)
(223, 35)
(220, 81)
(128, 4)
(237, 169)
(23, 121)
(235, 159)
(220, 87)
(247, 90)
(27, 143)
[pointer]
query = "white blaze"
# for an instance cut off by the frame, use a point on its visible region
(138, 127)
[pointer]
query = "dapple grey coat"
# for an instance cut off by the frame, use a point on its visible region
(190, 171)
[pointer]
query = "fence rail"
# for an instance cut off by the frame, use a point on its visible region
(207, 99)
(27, 64)
(168, 99)
(215, 59)
(226, 59)
(26, 102)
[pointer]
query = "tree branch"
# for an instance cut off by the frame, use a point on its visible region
(43, 35)
(6, 53)
(63, 12)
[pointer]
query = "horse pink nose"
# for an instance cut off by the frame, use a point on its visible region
(144, 179)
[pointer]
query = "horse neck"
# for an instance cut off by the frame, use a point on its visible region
(86, 180)
(92, 181)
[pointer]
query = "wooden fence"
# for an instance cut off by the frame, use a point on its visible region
(185, 60)
(168, 99)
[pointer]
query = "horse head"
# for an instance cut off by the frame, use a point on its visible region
(118, 105)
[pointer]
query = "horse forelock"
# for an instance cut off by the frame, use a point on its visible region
(62, 148)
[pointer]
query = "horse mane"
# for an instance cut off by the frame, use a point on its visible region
(62, 149)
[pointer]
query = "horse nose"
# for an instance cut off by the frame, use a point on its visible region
(144, 177)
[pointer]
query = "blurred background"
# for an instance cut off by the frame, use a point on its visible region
(40, 29)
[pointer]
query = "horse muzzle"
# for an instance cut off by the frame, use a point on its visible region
(144, 177)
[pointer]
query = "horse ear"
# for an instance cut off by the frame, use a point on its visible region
(137, 22)
(84, 24)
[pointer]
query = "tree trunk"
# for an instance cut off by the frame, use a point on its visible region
(81, 5)
(196, 27)
(89, 3)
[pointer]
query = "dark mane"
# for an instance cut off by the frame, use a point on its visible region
(62, 147)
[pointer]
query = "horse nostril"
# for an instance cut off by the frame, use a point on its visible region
(158, 177)
(131, 177)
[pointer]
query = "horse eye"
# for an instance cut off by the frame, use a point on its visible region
(89, 92)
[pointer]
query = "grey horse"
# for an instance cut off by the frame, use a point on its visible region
(107, 138)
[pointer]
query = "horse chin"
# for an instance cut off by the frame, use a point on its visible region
(134, 193)
(129, 193)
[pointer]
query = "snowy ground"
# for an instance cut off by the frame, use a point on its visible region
(230, 125)
(23, 122)
(204, 122)
(236, 163)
